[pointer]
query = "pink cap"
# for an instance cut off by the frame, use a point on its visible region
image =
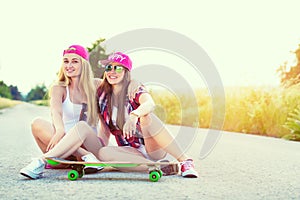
(79, 50)
(120, 58)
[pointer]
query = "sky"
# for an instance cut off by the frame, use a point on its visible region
(246, 40)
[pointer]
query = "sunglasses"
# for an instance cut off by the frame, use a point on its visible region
(117, 68)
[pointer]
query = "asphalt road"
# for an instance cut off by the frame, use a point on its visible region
(239, 167)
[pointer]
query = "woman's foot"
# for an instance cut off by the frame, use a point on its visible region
(34, 170)
(91, 159)
(188, 169)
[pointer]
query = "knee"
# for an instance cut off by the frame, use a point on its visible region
(150, 120)
(104, 154)
(151, 124)
(36, 125)
(82, 124)
(83, 128)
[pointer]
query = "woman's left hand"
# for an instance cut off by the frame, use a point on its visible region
(130, 126)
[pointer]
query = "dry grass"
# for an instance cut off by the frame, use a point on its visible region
(40, 102)
(6, 103)
(253, 110)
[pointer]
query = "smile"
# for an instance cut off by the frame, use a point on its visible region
(113, 77)
(69, 70)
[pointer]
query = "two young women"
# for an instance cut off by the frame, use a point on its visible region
(140, 135)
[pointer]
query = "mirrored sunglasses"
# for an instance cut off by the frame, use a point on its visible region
(117, 68)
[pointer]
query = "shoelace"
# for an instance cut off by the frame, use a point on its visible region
(188, 164)
(36, 165)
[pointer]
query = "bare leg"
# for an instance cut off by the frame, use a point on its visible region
(158, 139)
(42, 132)
(123, 154)
(80, 134)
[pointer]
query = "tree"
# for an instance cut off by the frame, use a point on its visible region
(37, 93)
(5, 91)
(290, 75)
(97, 53)
(14, 91)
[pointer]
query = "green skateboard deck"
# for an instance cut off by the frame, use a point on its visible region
(77, 167)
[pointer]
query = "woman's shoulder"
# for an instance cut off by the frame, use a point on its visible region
(58, 90)
(97, 82)
(58, 87)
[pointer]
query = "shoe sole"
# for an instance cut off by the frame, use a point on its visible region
(189, 174)
(29, 175)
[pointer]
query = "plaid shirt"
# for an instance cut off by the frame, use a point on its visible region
(131, 105)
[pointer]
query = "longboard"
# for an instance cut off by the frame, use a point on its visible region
(77, 167)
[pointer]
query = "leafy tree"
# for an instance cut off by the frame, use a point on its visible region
(97, 53)
(5, 91)
(37, 93)
(290, 75)
(14, 91)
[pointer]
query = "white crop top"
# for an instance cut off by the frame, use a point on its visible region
(71, 112)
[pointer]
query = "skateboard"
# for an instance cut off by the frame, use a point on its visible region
(77, 167)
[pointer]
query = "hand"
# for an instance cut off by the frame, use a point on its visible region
(130, 126)
(54, 140)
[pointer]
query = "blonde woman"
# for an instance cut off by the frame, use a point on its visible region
(72, 100)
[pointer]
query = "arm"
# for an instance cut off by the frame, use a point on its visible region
(133, 87)
(147, 105)
(57, 96)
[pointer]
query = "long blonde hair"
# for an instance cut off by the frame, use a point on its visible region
(86, 86)
(121, 99)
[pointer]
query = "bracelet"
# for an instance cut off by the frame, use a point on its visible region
(135, 113)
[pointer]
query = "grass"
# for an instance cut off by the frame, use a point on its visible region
(40, 102)
(251, 110)
(7, 103)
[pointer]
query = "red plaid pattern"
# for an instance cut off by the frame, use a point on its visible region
(137, 139)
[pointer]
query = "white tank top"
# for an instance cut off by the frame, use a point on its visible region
(71, 112)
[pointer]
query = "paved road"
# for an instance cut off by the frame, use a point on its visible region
(240, 167)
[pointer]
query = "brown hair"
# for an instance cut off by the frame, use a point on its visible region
(121, 98)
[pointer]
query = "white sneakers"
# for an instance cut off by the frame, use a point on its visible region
(34, 170)
(91, 169)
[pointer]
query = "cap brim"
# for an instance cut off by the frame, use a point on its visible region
(104, 62)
